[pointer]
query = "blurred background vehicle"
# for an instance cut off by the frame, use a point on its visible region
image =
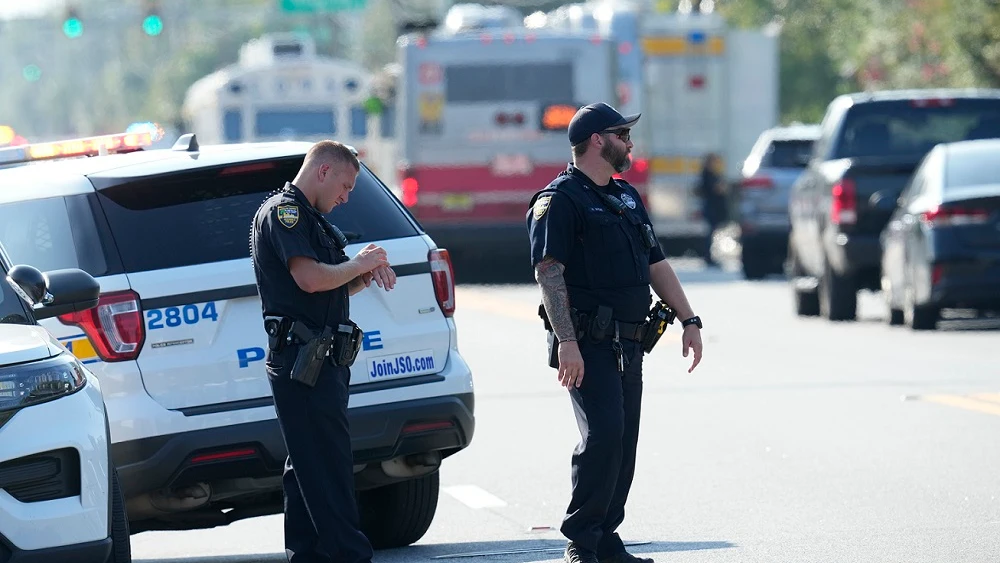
(942, 244)
(869, 146)
(777, 159)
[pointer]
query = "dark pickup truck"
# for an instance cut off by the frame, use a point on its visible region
(869, 146)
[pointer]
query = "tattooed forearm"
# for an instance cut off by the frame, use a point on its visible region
(555, 298)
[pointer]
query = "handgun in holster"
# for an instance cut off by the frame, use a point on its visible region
(660, 315)
(310, 357)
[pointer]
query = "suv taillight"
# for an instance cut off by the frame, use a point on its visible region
(844, 205)
(114, 327)
(942, 216)
(757, 183)
(443, 276)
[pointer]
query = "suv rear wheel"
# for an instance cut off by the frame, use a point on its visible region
(398, 515)
(806, 300)
(121, 546)
(838, 296)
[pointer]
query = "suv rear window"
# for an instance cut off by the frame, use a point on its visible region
(54, 233)
(913, 127)
(204, 216)
(788, 154)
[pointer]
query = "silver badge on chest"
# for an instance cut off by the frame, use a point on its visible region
(628, 201)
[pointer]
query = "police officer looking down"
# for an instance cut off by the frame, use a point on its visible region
(595, 257)
(305, 279)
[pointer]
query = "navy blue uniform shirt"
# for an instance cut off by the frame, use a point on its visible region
(287, 225)
(605, 254)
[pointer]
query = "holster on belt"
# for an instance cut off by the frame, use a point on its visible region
(311, 355)
(659, 317)
(346, 344)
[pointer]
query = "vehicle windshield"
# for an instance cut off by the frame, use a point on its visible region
(789, 153)
(973, 169)
(913, 127)
(12, 309)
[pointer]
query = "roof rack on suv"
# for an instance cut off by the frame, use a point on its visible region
(88, 146)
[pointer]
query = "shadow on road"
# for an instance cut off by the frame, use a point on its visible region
(516, 551)
(526, 551)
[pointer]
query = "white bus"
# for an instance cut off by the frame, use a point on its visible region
(280, 89)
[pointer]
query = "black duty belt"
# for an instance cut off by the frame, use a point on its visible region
(627, 331)
(632, 331)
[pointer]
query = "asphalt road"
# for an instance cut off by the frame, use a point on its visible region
(796, 440)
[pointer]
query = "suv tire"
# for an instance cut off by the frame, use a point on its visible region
(754, 266)
(398, 515)
(121, 547)
(838, 297)
(806, 301)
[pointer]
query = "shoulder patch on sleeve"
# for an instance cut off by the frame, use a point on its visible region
(541, 206)
(288, 215)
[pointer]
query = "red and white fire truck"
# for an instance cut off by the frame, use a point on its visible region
(481, 125)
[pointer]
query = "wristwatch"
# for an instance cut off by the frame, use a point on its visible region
(695, 320)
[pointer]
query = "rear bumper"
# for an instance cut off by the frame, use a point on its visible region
(968, 286)
(765, 241)
(90, 552)
(257, 449)
(852, 253)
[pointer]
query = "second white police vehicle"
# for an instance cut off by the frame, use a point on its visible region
(60, 497)
(178, 343)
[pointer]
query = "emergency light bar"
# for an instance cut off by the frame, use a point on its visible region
(89, 146)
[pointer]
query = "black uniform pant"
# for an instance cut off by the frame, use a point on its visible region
(607, 406)
(321, 513)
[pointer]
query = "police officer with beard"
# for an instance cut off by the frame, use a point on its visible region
(305, 279)
(595, 257)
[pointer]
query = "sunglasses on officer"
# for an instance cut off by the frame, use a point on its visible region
(623, 134)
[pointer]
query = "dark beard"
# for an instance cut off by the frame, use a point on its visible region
(617, 158)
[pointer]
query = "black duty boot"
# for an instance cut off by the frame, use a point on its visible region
(625, 557)
(577, 554)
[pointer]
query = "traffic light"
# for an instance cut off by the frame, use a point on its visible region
(152, 23)
(31, 73)
(72, 24)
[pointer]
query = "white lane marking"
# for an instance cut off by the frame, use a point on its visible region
(474, 497)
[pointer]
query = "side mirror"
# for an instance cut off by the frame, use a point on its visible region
(56, 292)
(29, 282)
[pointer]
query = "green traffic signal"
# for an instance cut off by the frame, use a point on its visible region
(152, 25)
(31, 73)
(73, 28)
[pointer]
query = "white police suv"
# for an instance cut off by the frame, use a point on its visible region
(60, 498)
(178, 342)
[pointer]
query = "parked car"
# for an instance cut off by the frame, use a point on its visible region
(869, 146)
(941, 248)
(178, 341)
(60, 497)
(777, 159)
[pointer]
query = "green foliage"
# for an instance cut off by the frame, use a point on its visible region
(830, 47)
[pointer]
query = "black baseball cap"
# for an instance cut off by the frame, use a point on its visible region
(595, 118)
